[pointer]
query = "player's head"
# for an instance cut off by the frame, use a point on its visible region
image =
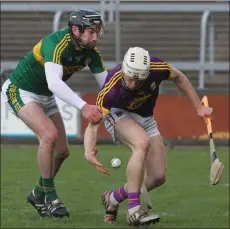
(86, 27)
(135, 67)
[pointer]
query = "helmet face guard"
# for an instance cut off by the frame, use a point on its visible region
(132, 83)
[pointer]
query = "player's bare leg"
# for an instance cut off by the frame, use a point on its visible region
(138, 141)
(33, 116)
(156, 163)
(61, 151)
(156, 167)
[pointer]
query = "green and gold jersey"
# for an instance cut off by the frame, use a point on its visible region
(58, 48)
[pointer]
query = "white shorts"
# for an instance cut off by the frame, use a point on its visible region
(147, 123)
(17, 98)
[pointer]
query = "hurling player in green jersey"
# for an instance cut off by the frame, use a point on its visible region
(31, 89)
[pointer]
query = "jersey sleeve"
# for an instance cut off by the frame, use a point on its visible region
(96, 64)
(52, 48)
(105, 98)
(161, 68)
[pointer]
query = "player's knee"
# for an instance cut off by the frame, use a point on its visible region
(142, 145)
(160, 179)
(63, 153)
(156, 180)
(48, 136)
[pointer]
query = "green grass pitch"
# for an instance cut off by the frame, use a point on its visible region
(186, 200)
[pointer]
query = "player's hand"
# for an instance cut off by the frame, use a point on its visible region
(92, 113)
(205, 112)
(91, 157)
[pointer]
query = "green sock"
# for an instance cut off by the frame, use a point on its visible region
(49, 189)
(38, 189)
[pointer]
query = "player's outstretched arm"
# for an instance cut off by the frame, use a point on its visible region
(54, 73)
(184, 85)
(100, 78)
(90, 141)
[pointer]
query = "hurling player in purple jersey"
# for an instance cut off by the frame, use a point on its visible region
(127, 99)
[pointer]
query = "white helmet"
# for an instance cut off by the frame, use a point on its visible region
(136, 63)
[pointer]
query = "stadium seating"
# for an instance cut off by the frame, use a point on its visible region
(173, 38)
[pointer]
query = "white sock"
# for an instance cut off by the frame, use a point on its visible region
(113, 200)
(131, 210)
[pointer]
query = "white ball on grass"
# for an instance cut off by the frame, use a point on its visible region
(115, 162)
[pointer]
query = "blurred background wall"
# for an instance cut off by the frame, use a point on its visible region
(193, 37)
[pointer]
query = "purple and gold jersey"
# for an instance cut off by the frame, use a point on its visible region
(142, 101)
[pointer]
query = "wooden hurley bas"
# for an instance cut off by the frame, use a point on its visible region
(217, 166)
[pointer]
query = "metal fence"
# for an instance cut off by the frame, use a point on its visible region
(110, 11)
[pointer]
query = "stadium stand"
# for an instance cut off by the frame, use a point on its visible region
(173, 38)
